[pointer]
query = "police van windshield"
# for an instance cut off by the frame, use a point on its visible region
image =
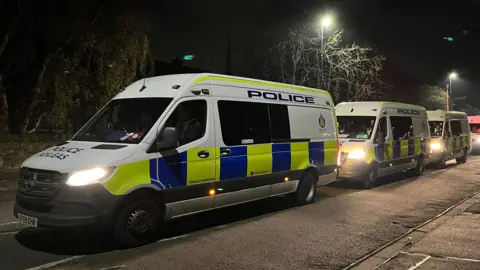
(475, 128)
(356, 127)
(124, 120)
(436, 128)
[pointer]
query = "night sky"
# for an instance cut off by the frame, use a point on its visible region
(408, 32)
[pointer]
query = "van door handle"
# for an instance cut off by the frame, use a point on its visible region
(203, 154)
(225, 152)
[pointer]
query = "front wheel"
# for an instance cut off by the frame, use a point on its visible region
(137, 221)
(419, 169)
(371, 177)
(306, 190)
(464, 158)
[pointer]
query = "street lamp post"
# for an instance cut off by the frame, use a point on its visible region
(325, 22)
(451, 77)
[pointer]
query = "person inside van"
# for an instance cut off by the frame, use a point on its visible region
(191, 127)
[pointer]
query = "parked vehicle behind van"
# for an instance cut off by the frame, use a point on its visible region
(474, 123)
(381, 138)
(450, 136)
(176, 145)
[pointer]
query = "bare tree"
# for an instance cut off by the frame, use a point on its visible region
(349, 72)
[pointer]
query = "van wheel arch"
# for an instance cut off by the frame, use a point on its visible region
(145, 191)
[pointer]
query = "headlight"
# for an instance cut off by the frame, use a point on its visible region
(435, 146)
(356, 154)
(88, 177)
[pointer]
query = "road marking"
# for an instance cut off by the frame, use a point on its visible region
(8, 223)
(7, 233)
(55, 263)
(172, 238)
(462, 259)
(420, 263)
(114, 267)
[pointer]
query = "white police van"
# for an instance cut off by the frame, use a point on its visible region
(381, 138)
(175, 145)
(450, 134)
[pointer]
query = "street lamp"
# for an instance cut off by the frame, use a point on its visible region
(451, 76)
(325, 22)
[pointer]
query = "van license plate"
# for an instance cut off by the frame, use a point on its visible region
(26, 220)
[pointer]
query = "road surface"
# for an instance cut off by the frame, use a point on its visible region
(343, 225)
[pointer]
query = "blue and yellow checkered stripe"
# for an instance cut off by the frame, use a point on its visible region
(187, 168)
(401, 149)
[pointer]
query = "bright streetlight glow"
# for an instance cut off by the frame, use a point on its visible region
(452, 75)
(326, 21)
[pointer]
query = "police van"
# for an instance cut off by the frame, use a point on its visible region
(450, 136)
(381, 138)
(175, 145)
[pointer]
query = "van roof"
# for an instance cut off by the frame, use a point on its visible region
(440, 115)
(371, 107)
(172, 85)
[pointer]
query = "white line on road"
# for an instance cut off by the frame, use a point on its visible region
(463, 259)
(52, 264)
(113, 267)
(420, 263)
(172, 238)
(8, 223)
(7, 233)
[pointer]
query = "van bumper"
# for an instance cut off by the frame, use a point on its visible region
(354, 170)
(88, 206)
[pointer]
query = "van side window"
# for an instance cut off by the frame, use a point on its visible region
(244, 122)
(190, 120)
(456, 128)
(279, 123)
(382, 127)
(402, 127)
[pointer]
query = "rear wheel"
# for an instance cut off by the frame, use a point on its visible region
(137, 221)
(464, 158)
(306, 190)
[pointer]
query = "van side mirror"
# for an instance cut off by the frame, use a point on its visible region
(167, 139)
(380, 137)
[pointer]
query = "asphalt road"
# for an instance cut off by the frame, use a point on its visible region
(343, 225)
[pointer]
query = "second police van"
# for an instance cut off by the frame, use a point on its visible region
(381, 138)
(450, 136)
(175, 145)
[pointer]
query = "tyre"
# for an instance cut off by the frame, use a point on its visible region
(371, 177)
(419, 169)
(441, 163)
(137, 221)
(306, 190)
(464, 158)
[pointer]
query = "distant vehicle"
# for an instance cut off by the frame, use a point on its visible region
(450, 136)
(176, 145)
(474, 123)
(381, 138)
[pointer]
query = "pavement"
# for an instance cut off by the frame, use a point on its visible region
(419, 223)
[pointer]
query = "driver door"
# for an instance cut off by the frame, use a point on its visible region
(187, 172)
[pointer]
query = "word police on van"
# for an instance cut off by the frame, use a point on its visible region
(175, 145)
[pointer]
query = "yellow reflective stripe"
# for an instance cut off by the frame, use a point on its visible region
(200, 170)
(388, 151)
(299, 155)
(403, 148)
(259, 159)
(330, 152)
(261, 83)
(370, 155)
(129, 176)
(418, 146)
